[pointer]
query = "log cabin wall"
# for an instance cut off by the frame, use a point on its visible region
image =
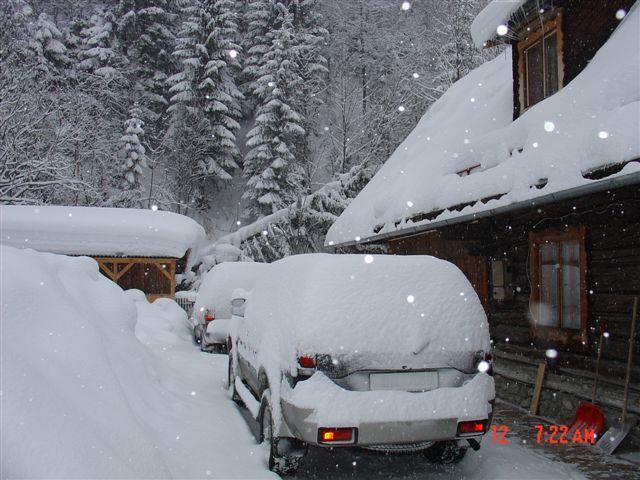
(583, 33)
(154, 276)
(612, 245)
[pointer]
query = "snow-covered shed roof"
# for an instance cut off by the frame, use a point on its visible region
(122, 232)
(591, 123)
(485, 26)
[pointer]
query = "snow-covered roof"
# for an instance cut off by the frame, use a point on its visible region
(591, 123)
(484, 27)
(99, 231)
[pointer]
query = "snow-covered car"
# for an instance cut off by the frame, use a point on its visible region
(212, 316)
(388, 353)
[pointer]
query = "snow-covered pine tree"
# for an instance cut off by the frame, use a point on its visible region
(134, 160)
(146, 31)
(51, 54)
(97, 53)
(205, 98)
(274, 176)
(259, 16)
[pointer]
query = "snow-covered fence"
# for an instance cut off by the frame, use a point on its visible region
(186, 304)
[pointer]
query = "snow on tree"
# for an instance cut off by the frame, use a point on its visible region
(133, 151)
(205, 98)
(97, 50)
(146, 30)
(274, 177)
(47, 45)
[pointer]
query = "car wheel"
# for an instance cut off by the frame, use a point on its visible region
(279, 464)
(231, 382)
(445, 452)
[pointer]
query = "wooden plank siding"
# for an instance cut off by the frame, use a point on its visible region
(583, 33)
(611, 222)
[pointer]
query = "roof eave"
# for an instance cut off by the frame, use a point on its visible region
(575, 192)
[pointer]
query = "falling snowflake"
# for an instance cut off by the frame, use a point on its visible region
(401, 108)
(368, 259)
(502, 30)
(551, 353)
(409, 203)
(154, 207)
(410, 298)
(620, 14)
(406, 6)
(602, 134)
(549, 126)
(233, 53)
(416, 75)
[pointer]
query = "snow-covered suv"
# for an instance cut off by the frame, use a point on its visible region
(382, 352)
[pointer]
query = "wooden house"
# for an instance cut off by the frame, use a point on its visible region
(538, 209)
(141, 249)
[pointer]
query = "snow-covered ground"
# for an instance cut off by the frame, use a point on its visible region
(98, 383)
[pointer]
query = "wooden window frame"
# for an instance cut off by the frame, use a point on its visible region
(552, 21)
(567, 336)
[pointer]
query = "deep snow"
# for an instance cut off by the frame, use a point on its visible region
(98, 383)
(100, 231)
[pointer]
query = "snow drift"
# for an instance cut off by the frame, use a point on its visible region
(98, 383)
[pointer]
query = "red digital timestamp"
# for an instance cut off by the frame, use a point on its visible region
(549, 434)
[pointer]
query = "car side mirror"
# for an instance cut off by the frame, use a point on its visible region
(237, 307)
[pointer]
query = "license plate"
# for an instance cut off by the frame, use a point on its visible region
(404, 381)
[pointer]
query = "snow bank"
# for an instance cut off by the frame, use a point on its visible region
(100, 231)
(98, 383)
(335, 406)
(219, 284)
(498, 12)
(364, 304)
(592, 122)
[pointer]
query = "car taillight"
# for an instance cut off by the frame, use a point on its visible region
(307, 362)
(474, 427)
(208, 316)
(337, 436)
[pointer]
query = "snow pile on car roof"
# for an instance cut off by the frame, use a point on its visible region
(100, 231)
(99, 383)
(339, 304)
(591, 123)
(484, 27)
(221, 281)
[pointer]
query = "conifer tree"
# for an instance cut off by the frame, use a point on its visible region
(273, 175)
(205, 97)
(97, 50)
(47, 44)
(134, 159)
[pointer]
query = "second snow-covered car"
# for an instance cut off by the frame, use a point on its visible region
(382, 352)
(212, 316)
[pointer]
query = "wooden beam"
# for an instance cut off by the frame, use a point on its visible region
(105, 269)
(124, 270)
(164, 270)
(537, 390)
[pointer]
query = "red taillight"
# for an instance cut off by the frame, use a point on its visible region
(307, 362)
(474, 427)
(337, 435)
(208, 316)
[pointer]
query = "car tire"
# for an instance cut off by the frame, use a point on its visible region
(280, 464)
(445, 453)
(231, 382)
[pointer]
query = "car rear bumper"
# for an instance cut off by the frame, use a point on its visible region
(299, 425)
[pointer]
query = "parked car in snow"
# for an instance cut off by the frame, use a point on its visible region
(212, 314)
(382, 352)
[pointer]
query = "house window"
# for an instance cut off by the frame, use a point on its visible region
(558, 276)
(540, 61)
